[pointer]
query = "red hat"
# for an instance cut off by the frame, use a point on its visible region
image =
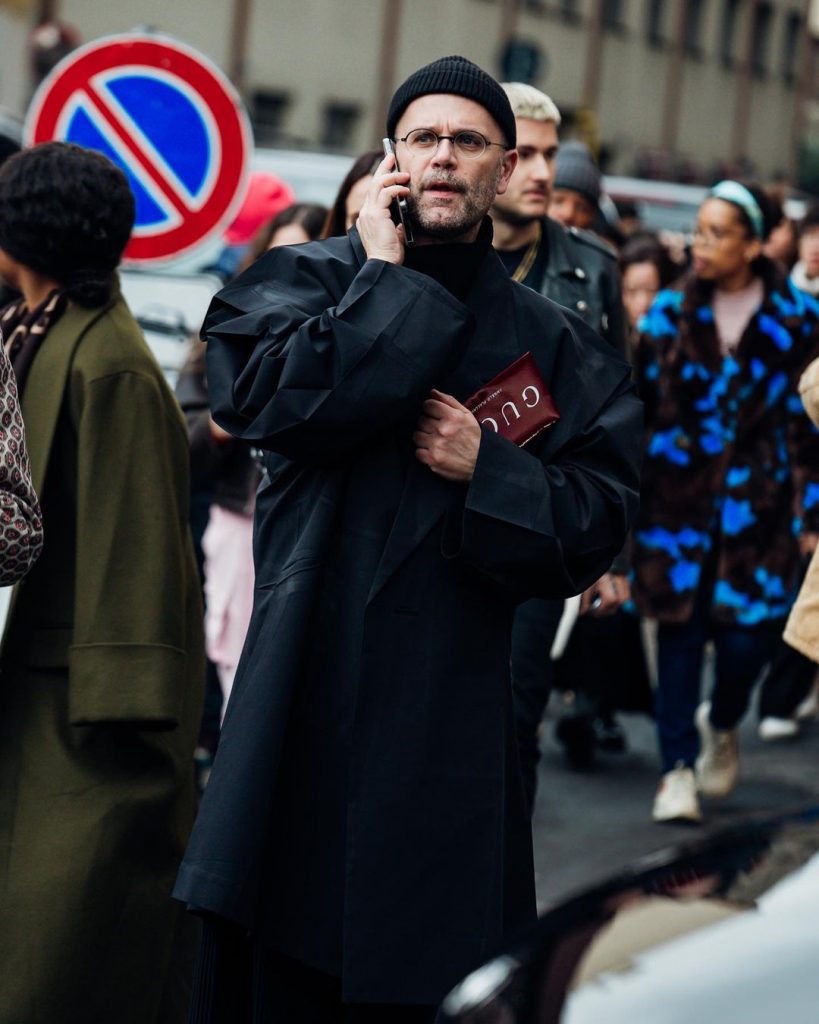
(266, 196)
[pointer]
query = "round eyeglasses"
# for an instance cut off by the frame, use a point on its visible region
(467, 144)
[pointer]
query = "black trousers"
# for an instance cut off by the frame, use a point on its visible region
(790, 677)
(603, 664)
(238, 981)
(787, 684)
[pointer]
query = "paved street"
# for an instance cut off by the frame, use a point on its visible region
(588, 824)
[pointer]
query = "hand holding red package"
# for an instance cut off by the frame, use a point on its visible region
(516, 404)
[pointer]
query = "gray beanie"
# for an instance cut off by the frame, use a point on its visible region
(463, 78)
(575, 170)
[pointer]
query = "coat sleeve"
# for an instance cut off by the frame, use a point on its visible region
(128, 659)
(647, 376)
(552, 529)
(311, 378)
(21, 528)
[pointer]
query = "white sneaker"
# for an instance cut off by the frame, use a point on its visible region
(717, 767)
(676, 798)
(772, 729)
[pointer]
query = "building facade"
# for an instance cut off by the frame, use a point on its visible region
(678, 88)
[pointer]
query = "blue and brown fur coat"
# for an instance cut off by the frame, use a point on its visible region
(731, 461)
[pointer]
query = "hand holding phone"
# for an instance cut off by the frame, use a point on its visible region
(381, 238)
(399, 208)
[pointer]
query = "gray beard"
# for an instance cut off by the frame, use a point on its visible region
(450, 230)
(475, 207)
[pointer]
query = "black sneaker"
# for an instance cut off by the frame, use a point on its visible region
(576, 734)
(609, 734)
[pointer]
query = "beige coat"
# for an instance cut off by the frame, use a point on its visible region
(802, 627)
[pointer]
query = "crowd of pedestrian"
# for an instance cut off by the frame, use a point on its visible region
(718, 340)
(375, 598)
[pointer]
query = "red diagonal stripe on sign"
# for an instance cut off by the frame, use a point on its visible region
(165, 186)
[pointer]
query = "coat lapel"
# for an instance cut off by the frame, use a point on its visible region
(41, 403)
(424, 500)
(496, 343)
(45, 388)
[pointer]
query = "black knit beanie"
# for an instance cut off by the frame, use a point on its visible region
(463, 78)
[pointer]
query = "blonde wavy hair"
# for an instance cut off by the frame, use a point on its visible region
(527, 101)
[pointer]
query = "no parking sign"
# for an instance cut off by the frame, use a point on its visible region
(169, 118)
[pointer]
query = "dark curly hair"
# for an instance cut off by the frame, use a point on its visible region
(645, 247)
(66, 213)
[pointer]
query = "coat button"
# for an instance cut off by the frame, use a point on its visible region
(580, 272)
(582, 307)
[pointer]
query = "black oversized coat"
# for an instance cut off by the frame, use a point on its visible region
(323, 359)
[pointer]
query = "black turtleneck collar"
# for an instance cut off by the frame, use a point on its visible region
(454, 265)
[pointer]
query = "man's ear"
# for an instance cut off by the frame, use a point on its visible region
(509, 162)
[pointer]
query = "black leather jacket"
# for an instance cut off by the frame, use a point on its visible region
(581, 273)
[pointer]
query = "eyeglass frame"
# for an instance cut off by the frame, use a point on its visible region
(451, 138)
(711, 241)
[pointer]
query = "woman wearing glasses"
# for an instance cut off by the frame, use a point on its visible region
(730, 490)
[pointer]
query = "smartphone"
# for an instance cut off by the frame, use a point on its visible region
(399, 208)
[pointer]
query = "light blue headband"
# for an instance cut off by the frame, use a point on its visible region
(733, 192)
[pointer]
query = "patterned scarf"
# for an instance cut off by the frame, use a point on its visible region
(22, 332)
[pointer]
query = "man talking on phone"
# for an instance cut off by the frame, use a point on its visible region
(364, 842)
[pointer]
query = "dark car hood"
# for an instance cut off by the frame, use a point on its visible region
(724, 929)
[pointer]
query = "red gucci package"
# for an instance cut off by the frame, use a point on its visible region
(516, 404)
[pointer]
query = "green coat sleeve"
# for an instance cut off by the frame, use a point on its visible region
(127, 662)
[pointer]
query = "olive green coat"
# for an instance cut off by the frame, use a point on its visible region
(100, 692)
